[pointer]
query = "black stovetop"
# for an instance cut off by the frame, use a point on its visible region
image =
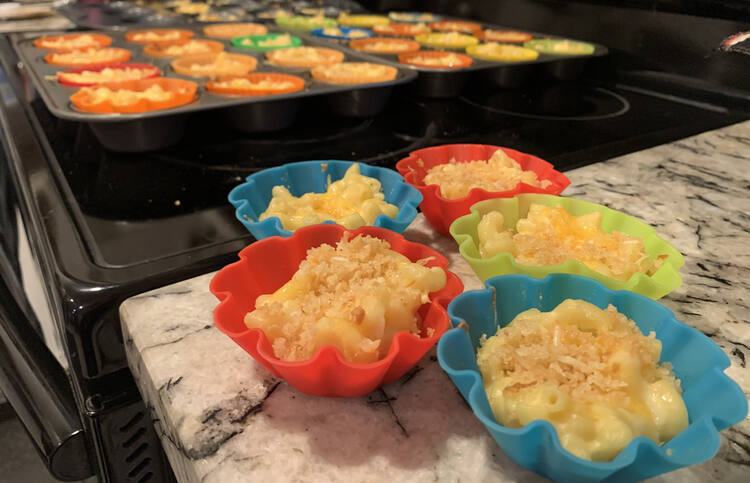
(138, 208)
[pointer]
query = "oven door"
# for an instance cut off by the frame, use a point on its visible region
(31, 378)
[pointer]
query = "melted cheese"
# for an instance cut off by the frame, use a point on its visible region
(298, 54)
(390, 46)
(151, 36)
(358, 69)
(504, 52)
(126, 97)
(589, 372)
(223, 64)
(78, 42)
(448, 60)
(353, 201)
(276, 41)
(105, 75)
(262, 85)
(499, 173)
(189, 47)
(355, 296)
(551, 235)
(337, 32)
(192, 8)
(87, 56)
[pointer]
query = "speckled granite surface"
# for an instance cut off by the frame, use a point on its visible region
(223, 418)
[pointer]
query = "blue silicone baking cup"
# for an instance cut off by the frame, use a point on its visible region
(346, 30)
(252, 197)
(714, 401)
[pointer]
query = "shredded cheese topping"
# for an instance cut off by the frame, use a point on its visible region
(353, 201)
(499, 173)
(355, 296)
(78, 42)
(337, 32)
(506, 52)
(246, 84)
(276, 41)
(189, 47)
(449, 60)
(590, 372)
(105, 75)
(551, 235)
(125, 97)
(222, 64)
(358, 69)
(298, 54)
(87, 56)
(151, 36)
(568, 47)
(391, 46)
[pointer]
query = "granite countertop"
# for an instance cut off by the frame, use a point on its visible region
(223, 418)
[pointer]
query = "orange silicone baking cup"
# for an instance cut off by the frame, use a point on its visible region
(455, 26)
(182, 65)
(184, 92)
(513, 36)
(100, 40)
(324, 73)
(330, 57)
(158, 49)
(268, 264)
(401, 29)
(401, 46)
(409, 59)
(440, 211)
(229, 30)
(298, 84)
(119, 55)
(184, 35)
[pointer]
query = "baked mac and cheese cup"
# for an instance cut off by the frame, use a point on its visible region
(252, 198)
(713, 401)
(441, 211)
(266, 266)
(664, 279)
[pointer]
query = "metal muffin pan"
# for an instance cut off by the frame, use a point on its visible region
(443, 83)
(156, 129)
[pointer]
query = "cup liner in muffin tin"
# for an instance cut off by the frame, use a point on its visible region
(440, 211)
(321, 32)
(666, 279)
(157, 129)
(714, 401)
(268, 264)
(252, 197)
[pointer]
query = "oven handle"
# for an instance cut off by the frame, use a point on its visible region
(38, 389)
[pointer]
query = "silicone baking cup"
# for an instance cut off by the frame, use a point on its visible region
(440, 211)
(714, 401)
(266, 265)
(252, 197)
(663, 281)
(347, 33)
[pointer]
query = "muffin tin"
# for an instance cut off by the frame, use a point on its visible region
(156, 129)
(448, 82)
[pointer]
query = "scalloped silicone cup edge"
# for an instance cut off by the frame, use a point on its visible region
(438, 299)
(557, 178)
(406, 213)
(669, 278)
(628, 455)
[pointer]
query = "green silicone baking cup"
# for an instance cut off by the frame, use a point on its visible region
(547, 46)
(299, 22)
(238, 42)
(663, 281)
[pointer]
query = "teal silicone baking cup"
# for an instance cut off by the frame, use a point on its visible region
(714, 401)
(666, 279)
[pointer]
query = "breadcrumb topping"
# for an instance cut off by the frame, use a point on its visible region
(355, 296)
(499, 173)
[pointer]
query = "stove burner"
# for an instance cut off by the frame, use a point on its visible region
(562, 102)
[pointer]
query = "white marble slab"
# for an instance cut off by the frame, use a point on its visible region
(223, 418)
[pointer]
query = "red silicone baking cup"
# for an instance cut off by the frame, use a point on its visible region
(440, 211)
(268, 264)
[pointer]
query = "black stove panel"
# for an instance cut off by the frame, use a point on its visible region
(138, 208)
